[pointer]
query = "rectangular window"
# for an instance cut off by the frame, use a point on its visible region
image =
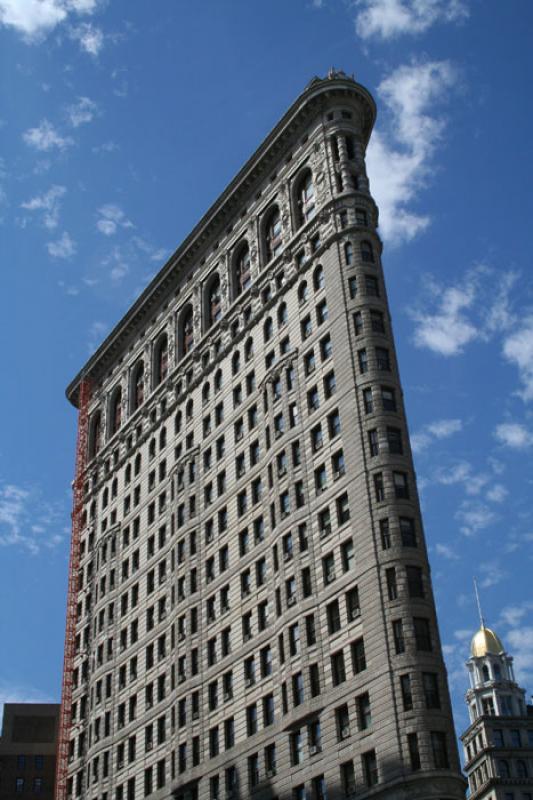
(364, 714)
(388, 399)
(401, 486)
(379, 489)
(338, 670)
(373, 442)
(368, 401)
(382, 359)
(376, 322)
(430, 683)
(414, 753)
(408, 532)
(415, 582)
(362, 359)
(440, 750)
(422, 634)
(407, 694)
(397, 632)
(370, 768)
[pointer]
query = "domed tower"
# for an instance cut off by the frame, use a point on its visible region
(498, 745)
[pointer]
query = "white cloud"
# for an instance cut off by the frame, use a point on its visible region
(34, 19)
(474, 516)
(399, 160)
(513, 615)
(16, 693)
(97, 332)
(26, 520)
(64, 247)
(45, 137)
(492, 574)
(497, 493)
(49, 203)
(90, 38)
(441, 429)
(82, 112)
(515, 435)
(446, 551)
(519, 642)
(388, 19)
(106, 147)
(474, 309)
(518, 350)
(111, 218)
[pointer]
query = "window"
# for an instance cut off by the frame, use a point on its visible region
(371, 286)
(430, 684)
(407, 694)
(376, 321)
(186, 332)
(382, 359)
(392, 589)
(321, 312)
(330, 385)
(364, 715)
(333, 617)
(373, 442)
(394, 441)
(241, 270)
(303, 293)
(343, 509)
(440, 750)
(306, 327)
(338, 670)
(422, 634)
(362, 358)
(414, 753)
(367, 253)
(305, 197)
(115, 411)
(298, 689)
(348, 254)
(401, 486)
(273, 240)
(379, 489)
(415, 582)
(398, 636)
(407, 531)
(296, 747)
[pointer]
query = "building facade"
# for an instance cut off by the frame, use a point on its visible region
(498, 745)
(255, 612)
(28, 750)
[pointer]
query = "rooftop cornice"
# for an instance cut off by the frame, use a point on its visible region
(215, 220)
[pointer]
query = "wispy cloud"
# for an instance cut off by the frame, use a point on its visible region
(491, 573)
(389, 19)
(29, 521)
(399, 158)
(497, 493)
(45, 137)
(110, 218)
(97, 333)
(446, 551)
(90, 38)
(106, 147)
(19, 693)
(34, 19)
(64, 247)
(447, 319)
(514, 434)
(49, 204)
(518, 350)
(440, 429)
(82, 112)
(474, 516)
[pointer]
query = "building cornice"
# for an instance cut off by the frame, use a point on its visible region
(225, 208)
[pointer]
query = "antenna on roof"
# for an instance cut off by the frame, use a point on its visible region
(479, 604)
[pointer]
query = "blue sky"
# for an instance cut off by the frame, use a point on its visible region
(121, 123)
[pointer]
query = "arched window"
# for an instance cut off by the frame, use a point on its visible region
(137, 386)
(177, 422)
(105, 498)
(248, 349)
(236, 362)
(521, 768)
(95, 434)
(206, 390)
(137, 464)
(305, 198)
(115, 411)
(161, 360)
(273, 241)
(92, 511)
(268, 330)
(114, 488)
(348, 254)
(486, 675)
(186, 332)
(303, 293)
(367, 253)
(242, 276)
(163, 439)
(213, 302)
(218, 380)
(189, 410)
(503, 768)
(283, 317)
(318, 278)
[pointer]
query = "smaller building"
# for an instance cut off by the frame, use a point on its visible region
(498, 745)
(28, 750)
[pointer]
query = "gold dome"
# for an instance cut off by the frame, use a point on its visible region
(485, 641)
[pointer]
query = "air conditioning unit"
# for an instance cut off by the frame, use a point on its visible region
(325, 532)
(195, 714)
(228, 696)
(354, 613)
(282, 471)
(247, 636)
(330, 576)
(314, 749)
(270, 773)
(345, 732)
(249, 682)
(287, 556)
(181, 637)
(291, 601)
